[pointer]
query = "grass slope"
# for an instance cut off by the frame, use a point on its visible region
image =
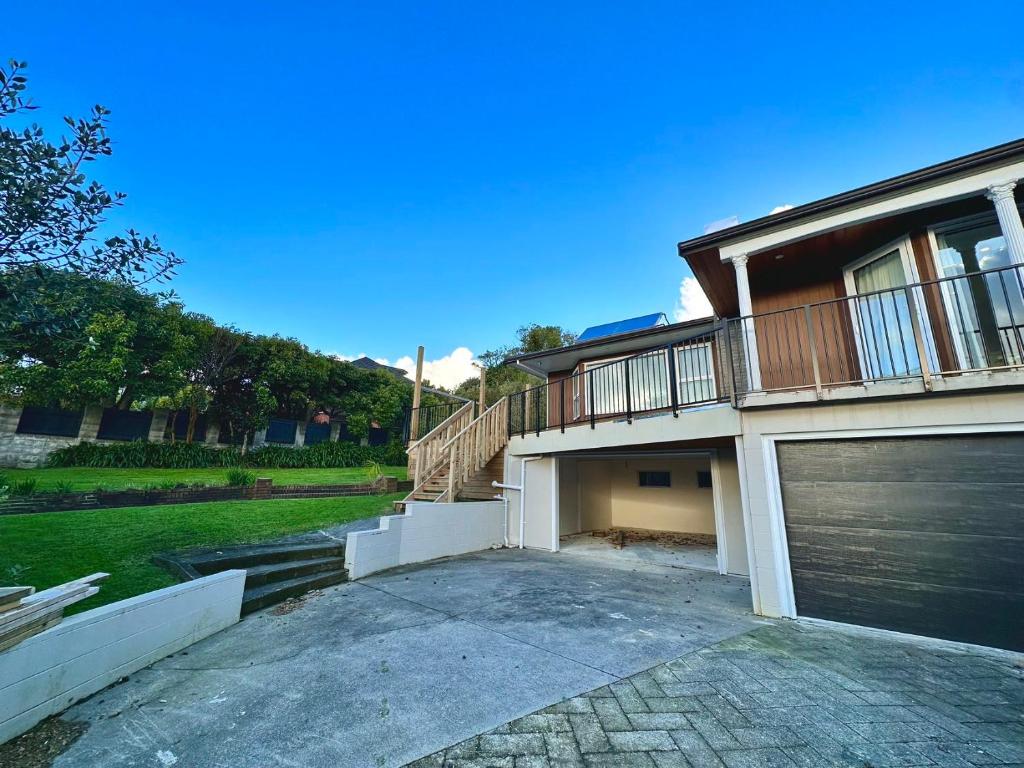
(55, 547)
(87, 478)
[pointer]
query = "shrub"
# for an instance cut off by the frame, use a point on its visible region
(242, 477)
(140, 454)
(24, 487)
(63, 486)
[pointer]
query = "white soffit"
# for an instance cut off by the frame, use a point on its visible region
(964, 186)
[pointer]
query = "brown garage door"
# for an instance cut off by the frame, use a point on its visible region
(922, 535)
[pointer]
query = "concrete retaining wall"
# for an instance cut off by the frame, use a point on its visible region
(50, 671)
(425, 532)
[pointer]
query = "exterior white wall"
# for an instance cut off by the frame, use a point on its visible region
(49, 672)
(543, 495)
(718, 420)
(426, 531)
(727, 486)
(934, 415)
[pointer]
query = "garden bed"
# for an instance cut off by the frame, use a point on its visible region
(263, 489)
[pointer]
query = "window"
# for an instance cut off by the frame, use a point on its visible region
(656, 479)
(703, 479)
(986, 314)
(696, 371)
(881, 314)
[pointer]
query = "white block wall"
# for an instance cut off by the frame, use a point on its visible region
(425, 532)
(49, 672)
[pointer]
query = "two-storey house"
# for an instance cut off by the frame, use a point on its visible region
(849, 427)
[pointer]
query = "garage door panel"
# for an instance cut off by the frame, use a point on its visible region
(966, 459)
(964, 615)
(927, 558)
(922, 535)
(918, 506)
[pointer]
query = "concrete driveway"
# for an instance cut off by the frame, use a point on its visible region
(389, 669)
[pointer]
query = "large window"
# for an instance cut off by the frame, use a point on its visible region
(985, 312)
(695, 366)
(882, 315)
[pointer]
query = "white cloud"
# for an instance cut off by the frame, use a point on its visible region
(448, 371)
(780, 208)
(693, 303)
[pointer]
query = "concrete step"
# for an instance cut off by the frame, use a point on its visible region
(258, 575)
(262, 554)
(268, 594)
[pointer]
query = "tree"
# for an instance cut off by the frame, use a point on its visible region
(504, 379)
(103, 342)
(241, 401)
(215, 349)
(51, 214)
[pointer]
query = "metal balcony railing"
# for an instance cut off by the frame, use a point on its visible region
(951, 326)
(683, 374)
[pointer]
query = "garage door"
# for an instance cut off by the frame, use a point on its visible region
(922, 535)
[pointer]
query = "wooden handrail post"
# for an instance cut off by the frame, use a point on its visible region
(417, 391)
(483, 389)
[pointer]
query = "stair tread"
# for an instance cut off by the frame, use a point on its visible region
(260, 575)
(267, 594)
(262, 554)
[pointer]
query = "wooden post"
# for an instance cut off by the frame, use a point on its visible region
(483, 389)
(417, 391)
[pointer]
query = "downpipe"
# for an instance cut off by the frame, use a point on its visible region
(522, 497)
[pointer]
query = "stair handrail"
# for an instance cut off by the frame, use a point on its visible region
(488, 442)
(425, 452)
(472, 448)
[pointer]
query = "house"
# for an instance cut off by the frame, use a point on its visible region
(849, 427)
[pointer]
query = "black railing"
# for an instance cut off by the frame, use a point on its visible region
(429, 417)
(953, 325)
(683, 374)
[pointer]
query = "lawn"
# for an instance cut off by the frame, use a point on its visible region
(87, 478)
(50, 548)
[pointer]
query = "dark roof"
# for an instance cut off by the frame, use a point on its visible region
(372, 365)
(623, 326)
(958, 165)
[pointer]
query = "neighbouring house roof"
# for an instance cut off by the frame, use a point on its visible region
(566, 358)
(369, 364)
(623, 326)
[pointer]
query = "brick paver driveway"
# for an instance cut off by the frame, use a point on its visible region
(784, 695)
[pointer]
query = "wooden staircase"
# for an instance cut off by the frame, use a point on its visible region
(458, 459)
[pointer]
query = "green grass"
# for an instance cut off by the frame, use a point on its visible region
(87, 478)
(46, 549)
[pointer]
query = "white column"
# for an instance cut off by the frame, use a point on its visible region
(739, 263)
(1001, 196)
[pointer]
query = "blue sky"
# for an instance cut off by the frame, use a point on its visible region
(372, 176)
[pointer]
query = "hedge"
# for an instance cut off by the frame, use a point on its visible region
(197, 456)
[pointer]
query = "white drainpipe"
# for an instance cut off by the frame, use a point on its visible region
(522, 496)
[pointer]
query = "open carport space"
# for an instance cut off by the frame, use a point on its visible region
(388, 669)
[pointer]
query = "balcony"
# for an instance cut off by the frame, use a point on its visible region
(962, 331)
(954, 333)
(685, 374)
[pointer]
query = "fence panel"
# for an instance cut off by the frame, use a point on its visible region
(36, 420)
(125, 425)
(282, 431)
(317, 433)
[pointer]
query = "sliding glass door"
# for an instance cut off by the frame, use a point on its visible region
(985, 312)
(881, 314)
